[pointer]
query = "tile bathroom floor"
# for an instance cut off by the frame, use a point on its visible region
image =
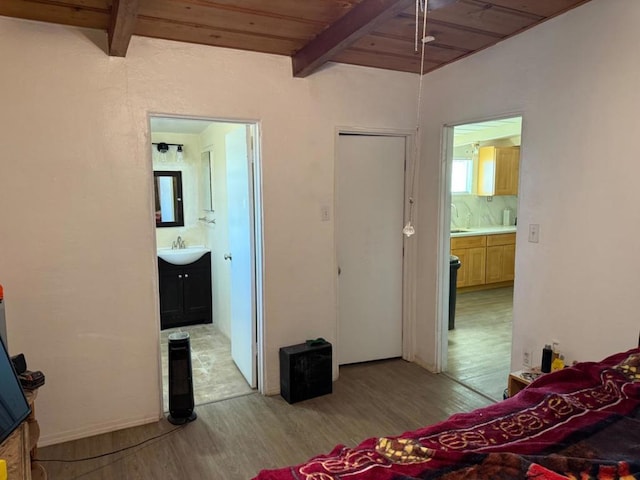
(215, 375)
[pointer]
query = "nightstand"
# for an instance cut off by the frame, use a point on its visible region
(520, 379)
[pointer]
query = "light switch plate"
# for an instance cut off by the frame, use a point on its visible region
(534, 232)
(325, 214)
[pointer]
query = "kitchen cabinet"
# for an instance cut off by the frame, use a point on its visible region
(185, 292)
(498, 171)
(485, 259)
(472, 254)
(501, 257)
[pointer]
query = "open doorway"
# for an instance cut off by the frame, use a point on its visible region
(483, 197)
(209, 252)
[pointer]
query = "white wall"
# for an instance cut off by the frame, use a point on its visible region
(77, 232)
(575, 80)
(214, 139)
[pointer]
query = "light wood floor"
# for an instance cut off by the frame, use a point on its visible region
(480, 345)
(235, 438)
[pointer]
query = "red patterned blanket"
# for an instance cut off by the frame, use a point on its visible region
(582, 423)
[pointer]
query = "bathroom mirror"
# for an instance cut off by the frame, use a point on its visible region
(168, 195)
(206, 177)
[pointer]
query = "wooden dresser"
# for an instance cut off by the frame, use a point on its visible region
(21, 447)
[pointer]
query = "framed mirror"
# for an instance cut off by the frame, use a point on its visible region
(168, 195)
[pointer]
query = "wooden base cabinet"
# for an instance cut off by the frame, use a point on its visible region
(485, 259)
(21, 447)
(472, 254)
(185, 293)
(501, 258)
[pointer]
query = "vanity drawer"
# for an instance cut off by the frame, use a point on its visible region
(469, 242)
(501, 239)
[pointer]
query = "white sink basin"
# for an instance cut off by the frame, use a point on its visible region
(182, 256)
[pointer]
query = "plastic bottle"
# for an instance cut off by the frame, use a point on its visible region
(3, 470)
(506, 217)
(547, 358)
(558, 363)
(3, 322)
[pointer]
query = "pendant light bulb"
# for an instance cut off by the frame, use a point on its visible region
(408, 229)
(179, 154)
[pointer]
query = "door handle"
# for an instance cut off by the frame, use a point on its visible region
(227, 256)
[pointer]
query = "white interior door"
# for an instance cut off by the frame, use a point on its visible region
(240, 216)
(369, 220)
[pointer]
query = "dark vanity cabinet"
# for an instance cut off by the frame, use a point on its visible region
(185, 292)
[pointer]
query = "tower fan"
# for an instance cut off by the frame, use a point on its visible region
(180, 380)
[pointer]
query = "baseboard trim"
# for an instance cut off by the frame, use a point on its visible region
(98, 429)
(486, 286)
(428, 366)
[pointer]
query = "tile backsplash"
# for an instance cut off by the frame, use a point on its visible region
(469, 211)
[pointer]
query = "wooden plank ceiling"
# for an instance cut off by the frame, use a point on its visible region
(373, 33)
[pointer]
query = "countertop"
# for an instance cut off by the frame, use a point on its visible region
(488, 230)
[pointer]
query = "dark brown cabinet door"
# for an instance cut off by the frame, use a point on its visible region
(185, 293)
(170, 299)
(197, 294)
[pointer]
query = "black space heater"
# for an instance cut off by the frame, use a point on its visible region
(305, 370)
(180, 380)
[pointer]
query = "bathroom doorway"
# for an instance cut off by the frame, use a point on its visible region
(483, 159)
(219, 165)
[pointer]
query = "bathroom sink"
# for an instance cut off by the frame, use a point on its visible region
(182, 256)
(460, 230)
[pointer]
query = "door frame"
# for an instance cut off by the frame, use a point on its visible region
(409, 261)
(257, 241)
(444, 239)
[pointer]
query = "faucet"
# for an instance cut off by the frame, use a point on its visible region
(178, 243)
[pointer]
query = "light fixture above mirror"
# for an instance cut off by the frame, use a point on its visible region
(164, 149)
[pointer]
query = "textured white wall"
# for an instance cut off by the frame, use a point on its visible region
(576, 84)
(77, 231)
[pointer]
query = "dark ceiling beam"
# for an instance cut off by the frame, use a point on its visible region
(123, 22)
(361, 20)
(358, 22)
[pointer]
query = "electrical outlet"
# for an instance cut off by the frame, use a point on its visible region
(526, 358)
(325, 214)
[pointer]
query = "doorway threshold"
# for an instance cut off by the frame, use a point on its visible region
(469, 387)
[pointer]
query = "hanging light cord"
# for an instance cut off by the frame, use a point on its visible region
(421, 5)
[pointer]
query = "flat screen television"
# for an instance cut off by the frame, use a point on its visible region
(13, 404)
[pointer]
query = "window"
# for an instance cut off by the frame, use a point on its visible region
(461, 175)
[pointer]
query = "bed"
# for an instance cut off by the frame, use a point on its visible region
(581, 422)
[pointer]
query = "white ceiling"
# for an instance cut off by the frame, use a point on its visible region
(489, 130)
(178, 125)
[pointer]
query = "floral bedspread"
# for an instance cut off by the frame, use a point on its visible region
(582, 422)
